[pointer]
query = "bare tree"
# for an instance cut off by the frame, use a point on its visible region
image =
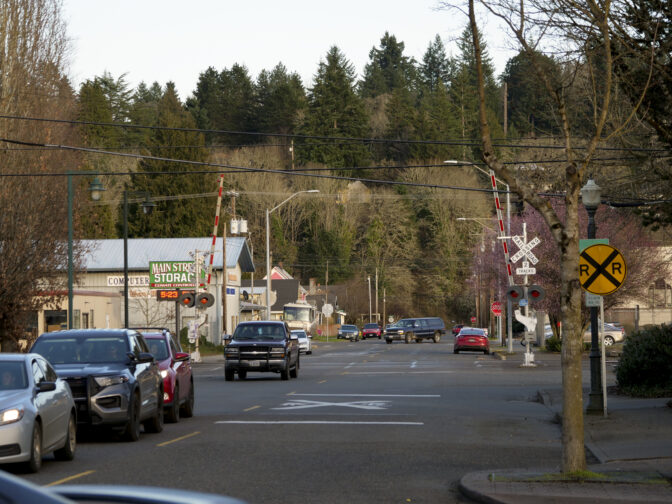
(33, 218)
(579, 35)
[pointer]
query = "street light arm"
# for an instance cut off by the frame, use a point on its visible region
(293, 195)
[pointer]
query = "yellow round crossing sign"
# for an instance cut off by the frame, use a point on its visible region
(602, 269)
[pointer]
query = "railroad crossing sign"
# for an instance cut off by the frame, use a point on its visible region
(602, 269)
(525, 249)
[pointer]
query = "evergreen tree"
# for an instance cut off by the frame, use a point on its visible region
(436, 68)
(144, 111)
(334, 110)
(388, 68)
(281, 98)
(174, 217)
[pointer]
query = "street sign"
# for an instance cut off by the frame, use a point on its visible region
(525, 249)
(522, 302)
(602, 269)
(496, 308)
(327, 309)
(526, 270)
(173, 275)
(473, 320)
(592, 301)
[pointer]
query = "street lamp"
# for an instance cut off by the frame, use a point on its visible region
(268, 248)
(590, 196)
(509, 307)
(95, 188)
(147, 207)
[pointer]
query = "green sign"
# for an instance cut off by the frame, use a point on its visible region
(584, 244)
(173, 275)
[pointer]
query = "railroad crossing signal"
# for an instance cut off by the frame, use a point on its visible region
(602, 269)
(525, 249)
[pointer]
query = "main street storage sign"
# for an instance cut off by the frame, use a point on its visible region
(173, 275)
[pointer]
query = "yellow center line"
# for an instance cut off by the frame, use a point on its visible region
(323, 381)
(178, 439)
(251, 408)
(69, 478)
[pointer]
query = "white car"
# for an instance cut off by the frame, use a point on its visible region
(305, 343)
(37, 412)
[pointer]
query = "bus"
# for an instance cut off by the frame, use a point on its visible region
(300, 316)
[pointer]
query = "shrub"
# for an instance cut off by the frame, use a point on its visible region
(645, 367)
(553, 344)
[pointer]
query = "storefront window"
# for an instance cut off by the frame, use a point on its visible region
(55, 320)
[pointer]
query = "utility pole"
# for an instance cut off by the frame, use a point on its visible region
(291, 149)
(384, 314)
(377, 312)
(224, 281)
(368, 279)
(506, 105)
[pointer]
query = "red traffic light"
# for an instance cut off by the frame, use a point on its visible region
(514, 293)
(535, 293)
(205, 300)
(186, 299)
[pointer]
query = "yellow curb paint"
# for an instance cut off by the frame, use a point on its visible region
(179, 439)
(69, 478)
(252, 408)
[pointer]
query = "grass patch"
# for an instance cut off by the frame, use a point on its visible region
(643, 477)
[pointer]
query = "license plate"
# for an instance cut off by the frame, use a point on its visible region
(471, 340)
(254, 363)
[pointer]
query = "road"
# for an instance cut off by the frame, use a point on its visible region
(364, 422)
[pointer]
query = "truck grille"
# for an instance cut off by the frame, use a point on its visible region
(79, 387)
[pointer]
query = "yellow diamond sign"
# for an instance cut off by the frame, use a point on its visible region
(602, 269)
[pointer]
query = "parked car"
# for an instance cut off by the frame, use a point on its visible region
(416, 329)
(471, 339)
(612, 334)
(371, 330)
(115, 380)
(175, 369)
(15, 489)
(264, 346)
(349, 332)
(305, 343)
(456, 329)
(37, 412)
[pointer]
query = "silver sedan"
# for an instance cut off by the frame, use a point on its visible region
(37, 412)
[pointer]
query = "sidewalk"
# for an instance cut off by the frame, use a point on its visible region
(633, 446)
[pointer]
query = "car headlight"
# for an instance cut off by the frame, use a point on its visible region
(231, 352)
(277, 352)
(11, 415)
(108, 381)
(164, 373)
(400, 331)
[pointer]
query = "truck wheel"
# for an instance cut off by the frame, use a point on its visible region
(284, 372)
(173, 412)
(294, 373)
(228, 374)
(388, 341)
(132, 431)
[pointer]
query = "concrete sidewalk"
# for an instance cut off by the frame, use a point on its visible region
(633, 448)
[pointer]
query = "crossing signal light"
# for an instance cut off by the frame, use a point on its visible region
(205, 300)
(535, 293)
(515, 293)
(186, 299)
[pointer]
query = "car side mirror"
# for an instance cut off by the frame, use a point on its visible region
(182, 356)
(46, 386)
(145, 357)
(293, 337)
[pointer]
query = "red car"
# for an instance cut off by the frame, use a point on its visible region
(371, 331)
(457, 328)
(175, 367)
(471, 339)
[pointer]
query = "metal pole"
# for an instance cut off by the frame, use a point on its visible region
(70, 260)
(368, 279)
(595, 402)
(125, 259)
(509, 306)
(268, 267)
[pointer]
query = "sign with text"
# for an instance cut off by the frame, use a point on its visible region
(602, 269)
(173, 275)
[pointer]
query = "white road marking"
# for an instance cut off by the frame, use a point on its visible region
(304, 404)
(369, 395)
(396, 372)
(414, 363)
(315, 422)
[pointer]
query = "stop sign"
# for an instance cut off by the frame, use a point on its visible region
(473, 320)
(496, 308)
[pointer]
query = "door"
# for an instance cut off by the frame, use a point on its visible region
(146, 376)
(50, 405)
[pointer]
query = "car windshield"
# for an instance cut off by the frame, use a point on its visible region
(406, 323)
(472, 332)
(13, 375)
(300, 334)
(158, 347)
(76, 349)
(349, 327)
(265, 332)
(370, 326)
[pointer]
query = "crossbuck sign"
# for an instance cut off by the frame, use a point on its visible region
(525, 251)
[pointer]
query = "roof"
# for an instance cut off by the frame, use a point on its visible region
(108, 255)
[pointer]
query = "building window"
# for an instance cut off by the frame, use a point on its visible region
(76, 319)
(55, 320)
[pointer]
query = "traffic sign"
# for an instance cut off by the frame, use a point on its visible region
(602, 269)
(496, 308)
(327, 310)
(526, 270)
(525, 249)
(473, 320)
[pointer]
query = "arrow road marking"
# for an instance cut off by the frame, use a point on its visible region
(303, 404)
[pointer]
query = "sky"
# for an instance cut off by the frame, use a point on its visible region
(171, 40)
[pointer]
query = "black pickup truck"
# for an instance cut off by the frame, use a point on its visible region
(416, 329)
(263, 346)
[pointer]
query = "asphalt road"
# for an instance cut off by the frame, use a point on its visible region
(364, 422)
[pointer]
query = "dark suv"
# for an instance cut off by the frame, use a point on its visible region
(114, 379)
(262, 346)
(416, 329)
